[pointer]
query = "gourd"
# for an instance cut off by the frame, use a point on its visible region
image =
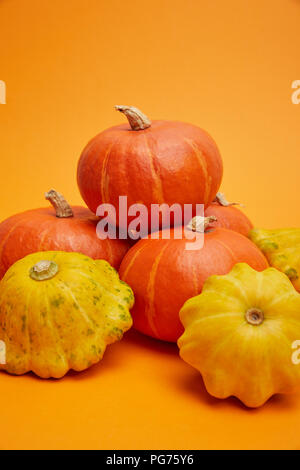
(228, 216)
(242, 332)
(150, 163)
(59, 311)
(282, 249)
(62, 228)
(163, 273)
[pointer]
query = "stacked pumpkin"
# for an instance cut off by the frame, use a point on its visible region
(166, 163)
(176, 163)
(234, 318)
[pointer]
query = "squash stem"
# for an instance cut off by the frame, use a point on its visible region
(43, 270)
(221, 199)
(200, 224)
(254, 316)
(138, 121)
(61, 206)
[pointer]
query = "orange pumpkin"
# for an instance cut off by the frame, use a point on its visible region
(151, 163)
(228, 216)
(164, 274)
(63, 228)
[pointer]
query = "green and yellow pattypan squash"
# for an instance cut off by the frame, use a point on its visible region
(282, 249)
(243, 334)
(59, 311)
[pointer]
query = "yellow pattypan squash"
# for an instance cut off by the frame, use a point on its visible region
(282, 249)
(59, 311)
(242, 333)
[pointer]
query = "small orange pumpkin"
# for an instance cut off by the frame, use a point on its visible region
(228, 216)
(151, 163)
(163, 274)
(65, 228)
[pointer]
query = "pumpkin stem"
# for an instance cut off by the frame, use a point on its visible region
(254, 316)
(137, 120)
(43, 270)
(200, 224)
(62, 208)
(221, 199)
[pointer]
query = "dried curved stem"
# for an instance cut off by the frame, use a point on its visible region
(137, 120)
(200, 224)
(61, 206)
(221, 199)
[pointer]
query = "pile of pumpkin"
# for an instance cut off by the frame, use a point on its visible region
(62, 301)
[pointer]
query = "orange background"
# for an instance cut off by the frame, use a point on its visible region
(227, 66)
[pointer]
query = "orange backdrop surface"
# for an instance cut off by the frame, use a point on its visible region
(227, 66)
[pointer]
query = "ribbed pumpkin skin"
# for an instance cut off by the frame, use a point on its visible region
(170, 162)
(282, 249)
(229, 217)
(235, 357)
(65, 322)
(163, 275)
(40, 230)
